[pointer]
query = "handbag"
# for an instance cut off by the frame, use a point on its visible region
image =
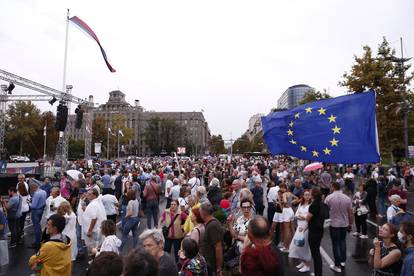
(166, 229)
(299, 240)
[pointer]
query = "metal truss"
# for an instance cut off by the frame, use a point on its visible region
(48, 92)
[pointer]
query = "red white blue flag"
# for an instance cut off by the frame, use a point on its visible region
(81, 24)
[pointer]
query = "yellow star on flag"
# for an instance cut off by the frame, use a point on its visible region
(332, 118)
(309, 110)
(336, 129)
(291, 124)
(334, 142)
(303, 148)
(322, 111)
(327, 151)
(297, 115)
(290, 132)
(315, 153)
(293, 142)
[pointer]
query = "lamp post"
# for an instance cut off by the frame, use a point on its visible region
(405, 104)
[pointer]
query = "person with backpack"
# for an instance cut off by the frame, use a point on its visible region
(340, 213)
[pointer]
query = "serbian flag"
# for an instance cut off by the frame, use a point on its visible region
(81, 24)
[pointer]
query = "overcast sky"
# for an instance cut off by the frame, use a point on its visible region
(231, 59)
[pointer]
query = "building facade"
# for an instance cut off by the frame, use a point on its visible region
(196, 128)
(255, 126)
(292, 96)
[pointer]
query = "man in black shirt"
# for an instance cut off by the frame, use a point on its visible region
(212, 245)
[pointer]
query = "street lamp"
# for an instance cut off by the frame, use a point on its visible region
(405, 104)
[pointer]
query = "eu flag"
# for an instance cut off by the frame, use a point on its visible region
(338, 130)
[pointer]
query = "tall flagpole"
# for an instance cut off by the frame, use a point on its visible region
(44, 142)
(118, 143)
(66, 54)
(107, 145)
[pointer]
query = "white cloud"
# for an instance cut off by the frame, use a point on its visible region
(231, 58)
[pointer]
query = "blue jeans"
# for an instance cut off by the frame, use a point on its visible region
(36, 218)
(80, 242)
(130, 224)
(169, 243)
(151, 211)
(382, 209)
(338, 238)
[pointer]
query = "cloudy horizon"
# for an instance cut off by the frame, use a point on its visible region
(232, 59)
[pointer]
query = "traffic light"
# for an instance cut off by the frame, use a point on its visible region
(61, 117)
(79, 117)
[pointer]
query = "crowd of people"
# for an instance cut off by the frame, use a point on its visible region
(210, 215)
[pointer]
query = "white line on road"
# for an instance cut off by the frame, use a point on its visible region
(326, 256)
(372, 223)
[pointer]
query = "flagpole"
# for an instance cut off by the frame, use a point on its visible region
(118, 143)
(107, 146)
(44, 142)
(66, 54)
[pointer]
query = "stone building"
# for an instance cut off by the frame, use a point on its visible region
(197, 131)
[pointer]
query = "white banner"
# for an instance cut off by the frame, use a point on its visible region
(97, 148)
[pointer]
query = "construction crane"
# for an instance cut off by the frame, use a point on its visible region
(47, 92)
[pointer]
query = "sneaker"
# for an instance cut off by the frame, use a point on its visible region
(305, 268)
(335, 268)
(364, 237)
(355, 234)
(299, 266)
(342, 264)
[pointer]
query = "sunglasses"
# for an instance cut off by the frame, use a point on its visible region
(246, 207)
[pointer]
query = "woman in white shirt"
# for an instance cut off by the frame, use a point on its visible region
(111, 242)
(65, 210)
(299, 248)
(23, 191)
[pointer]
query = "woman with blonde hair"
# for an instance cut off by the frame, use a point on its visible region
(65, 210)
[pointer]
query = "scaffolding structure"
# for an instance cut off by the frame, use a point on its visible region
(46, 93)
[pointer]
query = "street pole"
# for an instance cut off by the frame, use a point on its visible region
(107, 145)
(405, 104)
(44, 142)
(118, 143)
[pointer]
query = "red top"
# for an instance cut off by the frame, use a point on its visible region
(225, 203)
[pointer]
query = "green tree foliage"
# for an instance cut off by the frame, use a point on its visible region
(164, 135)
(48, 120)
(217, 144)
(100, 132)
(23, 128)
(257, 144)
(313, 96)
(76, 148)
(378, 72)
(242, 145)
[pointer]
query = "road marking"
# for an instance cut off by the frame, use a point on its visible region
(326, 256)
(372, 223)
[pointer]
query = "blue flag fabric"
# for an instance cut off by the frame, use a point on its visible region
(338, 130)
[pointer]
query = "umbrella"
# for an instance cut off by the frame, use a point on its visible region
(74, 174)
(313, 167)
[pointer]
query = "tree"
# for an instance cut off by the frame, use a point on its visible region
(48, 120)
(23, 125)
(257, 144)
(76, 148)
(217, 144)
(100, 131)
(164, 135)
(381, 74)
(119, 123)
(312, 96)
(241, 145)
